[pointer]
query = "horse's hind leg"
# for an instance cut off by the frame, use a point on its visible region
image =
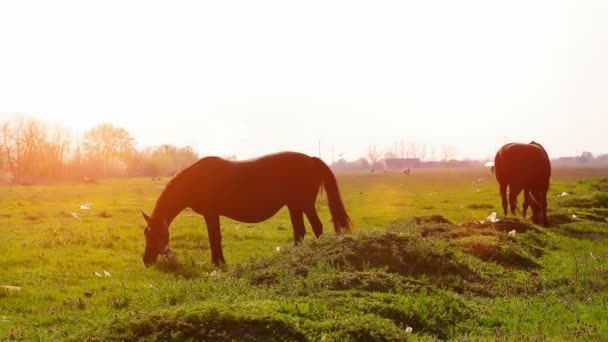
(215, 239)
(503, 197)
(297, 221)
(513, 192)
(315, 222)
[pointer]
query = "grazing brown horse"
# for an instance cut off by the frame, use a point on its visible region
(524, 167)
(247, 191)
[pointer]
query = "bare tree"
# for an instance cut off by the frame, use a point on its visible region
(411, 149)
(449, 152)
(107, 144)
(433, 151)
(392, 151)
(6, 148)
(402, 149)
(422, 151)
(58, 149)
(373, 155)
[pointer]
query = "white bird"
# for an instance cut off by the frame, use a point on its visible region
(106, 273)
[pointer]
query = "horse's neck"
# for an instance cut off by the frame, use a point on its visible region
(167, 208)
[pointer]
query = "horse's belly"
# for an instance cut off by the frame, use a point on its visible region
(253, 212)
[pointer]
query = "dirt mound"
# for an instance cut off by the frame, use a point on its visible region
(429, 219)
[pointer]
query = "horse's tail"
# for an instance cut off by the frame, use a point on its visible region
(342, 223)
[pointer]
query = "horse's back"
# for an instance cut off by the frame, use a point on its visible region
(253, 189)
(522, 163)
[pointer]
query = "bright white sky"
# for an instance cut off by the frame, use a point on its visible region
(253, 77)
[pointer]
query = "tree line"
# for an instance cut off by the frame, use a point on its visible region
(32, 151)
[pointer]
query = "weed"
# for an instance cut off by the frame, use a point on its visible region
(104, 214)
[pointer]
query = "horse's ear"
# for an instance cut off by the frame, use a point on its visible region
(146, 217)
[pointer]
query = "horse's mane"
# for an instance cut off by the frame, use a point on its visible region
(169, 195)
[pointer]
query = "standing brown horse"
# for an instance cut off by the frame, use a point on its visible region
(524, 167)
(247, 191)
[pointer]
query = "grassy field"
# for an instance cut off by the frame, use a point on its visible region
(420, 266)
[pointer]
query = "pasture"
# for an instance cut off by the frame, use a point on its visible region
(420, 265)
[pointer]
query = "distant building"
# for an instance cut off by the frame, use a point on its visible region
(565, 161)
(402, 163)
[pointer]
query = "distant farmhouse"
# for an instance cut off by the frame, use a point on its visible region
(401, 163)
(416, 163)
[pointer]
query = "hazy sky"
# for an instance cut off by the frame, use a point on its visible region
(252, 77)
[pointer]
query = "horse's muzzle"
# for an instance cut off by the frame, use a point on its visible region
(151, 254)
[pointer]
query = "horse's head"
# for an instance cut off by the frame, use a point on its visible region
(157, 239)
(538, 210)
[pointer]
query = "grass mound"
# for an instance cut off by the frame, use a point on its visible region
(597, 199)
(369, 261)
(511, 241)
(207, 322)
(588, 230)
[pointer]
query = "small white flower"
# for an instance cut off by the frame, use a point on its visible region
(106, 273)
(97, 274)
(573, 216)
(512, 232)
(408, 329)
(277, 248)
(213, 273)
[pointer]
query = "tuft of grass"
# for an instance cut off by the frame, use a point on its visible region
(481, 206)
(104, 214)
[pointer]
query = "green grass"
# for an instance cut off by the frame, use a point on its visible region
(420, 258)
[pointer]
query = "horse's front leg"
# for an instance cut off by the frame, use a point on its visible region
(215, 239)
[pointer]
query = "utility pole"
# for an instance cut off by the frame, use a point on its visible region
(319, 148)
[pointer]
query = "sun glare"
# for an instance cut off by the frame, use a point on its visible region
(470, 75)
